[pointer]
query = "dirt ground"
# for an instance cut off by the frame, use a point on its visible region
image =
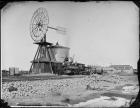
(79, 91)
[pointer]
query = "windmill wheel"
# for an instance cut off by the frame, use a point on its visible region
(39, 24)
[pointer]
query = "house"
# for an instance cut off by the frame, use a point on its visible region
(123, 68)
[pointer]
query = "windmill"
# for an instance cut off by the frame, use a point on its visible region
(44, 56)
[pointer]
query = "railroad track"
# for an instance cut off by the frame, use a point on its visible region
(32, 78)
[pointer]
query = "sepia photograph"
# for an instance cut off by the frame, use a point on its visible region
(69, 54)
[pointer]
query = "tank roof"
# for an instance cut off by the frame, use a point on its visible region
(58, 46)
(43, 43)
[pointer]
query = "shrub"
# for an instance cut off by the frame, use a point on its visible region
(11, 88)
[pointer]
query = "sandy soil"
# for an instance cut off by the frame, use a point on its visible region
(71, 92)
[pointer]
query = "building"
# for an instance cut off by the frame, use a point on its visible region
(109, 70)
(5, 73)
(14, 71)
(123, 68)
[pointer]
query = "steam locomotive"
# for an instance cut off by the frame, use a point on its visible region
(70, 68)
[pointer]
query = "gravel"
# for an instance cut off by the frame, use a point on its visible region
(60, 87)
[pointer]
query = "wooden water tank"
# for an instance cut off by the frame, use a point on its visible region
(59, 52)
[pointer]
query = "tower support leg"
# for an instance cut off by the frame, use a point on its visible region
(30, 71)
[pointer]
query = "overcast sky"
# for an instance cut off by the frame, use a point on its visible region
(100, 33)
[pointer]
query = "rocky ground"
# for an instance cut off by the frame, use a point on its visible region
(71, 91)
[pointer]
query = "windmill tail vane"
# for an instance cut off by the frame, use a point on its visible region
(59, 29)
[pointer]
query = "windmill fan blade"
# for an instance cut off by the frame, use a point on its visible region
(61, 30)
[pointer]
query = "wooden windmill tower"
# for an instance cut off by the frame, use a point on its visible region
(44, 56)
